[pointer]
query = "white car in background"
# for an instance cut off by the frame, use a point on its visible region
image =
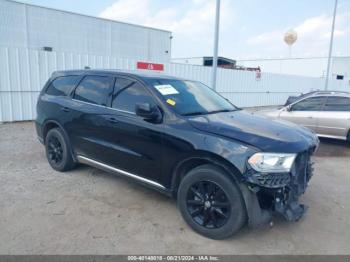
(326, 113)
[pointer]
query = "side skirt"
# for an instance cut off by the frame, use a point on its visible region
(111, 169)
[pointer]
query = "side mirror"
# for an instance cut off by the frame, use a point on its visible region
(148, 112)
(289, 108)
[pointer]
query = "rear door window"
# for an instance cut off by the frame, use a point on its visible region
(94, 89)
(62, 86)
(337, 103)
(310, 104)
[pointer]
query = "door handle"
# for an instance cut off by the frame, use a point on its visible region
(310, 117)
(113, 120)
(65, 109)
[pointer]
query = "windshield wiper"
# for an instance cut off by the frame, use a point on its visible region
(195, 113)
(221, 111)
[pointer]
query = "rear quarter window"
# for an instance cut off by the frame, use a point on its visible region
(62, 86)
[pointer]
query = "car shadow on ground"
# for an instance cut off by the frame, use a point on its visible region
(121, 180)
(333, 148)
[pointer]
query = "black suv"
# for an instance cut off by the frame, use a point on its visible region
(225, 167)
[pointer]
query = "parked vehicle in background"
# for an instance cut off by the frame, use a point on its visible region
(326, 113)
(226, 167)
(292, 99)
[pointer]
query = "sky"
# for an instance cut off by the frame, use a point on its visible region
(249, 29)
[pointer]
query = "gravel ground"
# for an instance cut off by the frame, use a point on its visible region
(87, 211)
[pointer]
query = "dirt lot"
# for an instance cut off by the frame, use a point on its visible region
(87, 211)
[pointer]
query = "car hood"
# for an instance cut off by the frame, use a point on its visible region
(266, 134)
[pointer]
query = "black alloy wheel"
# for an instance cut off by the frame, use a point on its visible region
(55, 150)
(208, 204)
(58, 151)
(211, 202)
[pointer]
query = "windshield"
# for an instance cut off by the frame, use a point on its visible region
(191, 98)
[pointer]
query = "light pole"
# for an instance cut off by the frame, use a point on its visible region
(331, 45)
(216, 43)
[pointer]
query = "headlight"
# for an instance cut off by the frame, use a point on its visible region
(272, 162)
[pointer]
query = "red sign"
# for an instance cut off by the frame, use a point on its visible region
(150, 66)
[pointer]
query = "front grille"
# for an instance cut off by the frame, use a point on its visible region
(273, 180)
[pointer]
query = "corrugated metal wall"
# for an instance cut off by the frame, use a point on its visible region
(28, 26)
(24, 71)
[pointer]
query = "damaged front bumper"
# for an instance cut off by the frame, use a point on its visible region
(268, 193)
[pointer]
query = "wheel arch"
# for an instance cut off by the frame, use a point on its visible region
(197, 159)
(255, 215)
(50, 124)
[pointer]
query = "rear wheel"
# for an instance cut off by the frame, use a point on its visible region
(211, 203)
(58, 151)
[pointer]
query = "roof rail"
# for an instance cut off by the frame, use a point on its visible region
(330, 92)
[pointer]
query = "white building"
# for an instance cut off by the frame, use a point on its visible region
(34, 27)
(314, 66)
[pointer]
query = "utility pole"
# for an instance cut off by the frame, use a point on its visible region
(331, 45)
(216, 44)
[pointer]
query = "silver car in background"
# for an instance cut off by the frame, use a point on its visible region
(326, 113)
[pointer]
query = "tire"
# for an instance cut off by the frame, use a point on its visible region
(219, 217)
(348, 137)
(58, 151)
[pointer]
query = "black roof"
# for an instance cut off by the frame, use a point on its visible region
(134, 73)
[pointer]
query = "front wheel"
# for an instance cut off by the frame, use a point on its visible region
(211, 203)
